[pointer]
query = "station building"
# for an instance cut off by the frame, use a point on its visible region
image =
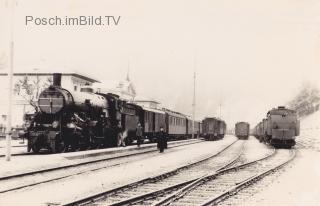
(124, 88)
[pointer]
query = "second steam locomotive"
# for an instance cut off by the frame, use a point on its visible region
(279, 128)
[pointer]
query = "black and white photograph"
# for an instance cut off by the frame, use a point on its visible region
(159, 103)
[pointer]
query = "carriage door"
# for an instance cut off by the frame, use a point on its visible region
(153, 122)
(187, 125)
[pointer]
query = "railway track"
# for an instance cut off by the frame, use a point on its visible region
(14, 146)
(23, 180)
(218, 186)
(167, 182)
(47, 152)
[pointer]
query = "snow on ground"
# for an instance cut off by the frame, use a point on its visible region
(17, 146)
(310, 132)
(298, 183)
(255, 150)
(101, 180)
(14, 142)
(33, 162)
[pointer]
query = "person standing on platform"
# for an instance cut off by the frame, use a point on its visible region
(139, 134)
(162, 140)
(120, 136)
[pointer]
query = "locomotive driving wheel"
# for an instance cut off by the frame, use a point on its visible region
(36, 148)
(92, 144)
(60, 146)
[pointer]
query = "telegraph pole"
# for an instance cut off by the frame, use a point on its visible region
(194, 96)
(10, 75)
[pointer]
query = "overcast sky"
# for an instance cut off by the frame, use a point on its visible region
(249, 55)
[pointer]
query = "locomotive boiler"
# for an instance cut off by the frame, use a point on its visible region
(69, 120)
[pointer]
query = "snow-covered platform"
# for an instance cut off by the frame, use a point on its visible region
(18, 146)
(121, 150)
(34, 162)
(14, 142)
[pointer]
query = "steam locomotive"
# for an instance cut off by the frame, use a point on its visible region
(279, 128)
(70, 120)
(75, 120)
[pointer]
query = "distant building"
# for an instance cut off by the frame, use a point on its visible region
(40, 80)
(124, 88)
(147, 102)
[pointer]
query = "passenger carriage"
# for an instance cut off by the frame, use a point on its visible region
(176, 124)
(213, 128)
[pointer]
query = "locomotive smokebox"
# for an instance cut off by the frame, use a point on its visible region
(57, 79)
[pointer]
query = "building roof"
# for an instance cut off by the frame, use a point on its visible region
(140, 98)
(50, 73)
(123, 88)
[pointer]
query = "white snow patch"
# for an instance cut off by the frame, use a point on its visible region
(299, 184)
(96, 181)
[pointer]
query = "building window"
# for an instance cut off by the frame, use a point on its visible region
(75, 88)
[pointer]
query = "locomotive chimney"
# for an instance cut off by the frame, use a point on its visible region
(57, 79)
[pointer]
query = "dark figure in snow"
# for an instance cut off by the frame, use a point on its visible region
(139, 134)
(162, 140)
(120, 136)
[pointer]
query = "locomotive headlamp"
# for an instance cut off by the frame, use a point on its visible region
(55, 124)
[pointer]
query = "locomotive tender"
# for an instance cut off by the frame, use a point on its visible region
(279, 128)
(69, 120)
(242, 130)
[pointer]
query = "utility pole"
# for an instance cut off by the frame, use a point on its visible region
(194, 97)
(10, 75)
